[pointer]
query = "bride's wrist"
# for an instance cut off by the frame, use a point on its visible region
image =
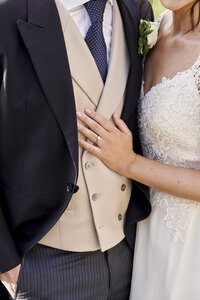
(129, 164)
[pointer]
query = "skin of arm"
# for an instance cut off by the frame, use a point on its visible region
(115, 150)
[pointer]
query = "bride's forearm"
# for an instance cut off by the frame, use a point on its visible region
(115, 150)
(180, 182)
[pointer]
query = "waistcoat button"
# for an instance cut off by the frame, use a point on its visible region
(88, 165)
(119, 217)
(123, 187)
(95, 197)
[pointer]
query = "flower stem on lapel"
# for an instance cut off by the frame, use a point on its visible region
(148, 36)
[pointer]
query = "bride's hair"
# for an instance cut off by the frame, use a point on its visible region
(142, 2)
(192, 14)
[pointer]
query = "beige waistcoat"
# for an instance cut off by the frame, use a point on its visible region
(95, 216)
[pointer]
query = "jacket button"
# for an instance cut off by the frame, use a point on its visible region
(69, 188)
(120, 217)
(76, 189)
(95, 197)
(88, 165)
(123, 187)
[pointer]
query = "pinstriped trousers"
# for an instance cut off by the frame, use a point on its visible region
(52, 274)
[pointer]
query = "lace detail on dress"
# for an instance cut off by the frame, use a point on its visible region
(169, 123)
(176, 212)
(160, 17)
(196, 68)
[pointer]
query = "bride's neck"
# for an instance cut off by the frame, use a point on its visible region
(182, 21)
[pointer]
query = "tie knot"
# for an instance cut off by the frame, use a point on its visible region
(95, 9)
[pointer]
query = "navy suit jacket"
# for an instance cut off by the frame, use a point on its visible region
(38, 132)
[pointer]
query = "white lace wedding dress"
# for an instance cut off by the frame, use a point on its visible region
(167, 253)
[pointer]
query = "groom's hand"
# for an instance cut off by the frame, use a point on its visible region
(10, 278)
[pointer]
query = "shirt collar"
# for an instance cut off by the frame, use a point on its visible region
(73, 4)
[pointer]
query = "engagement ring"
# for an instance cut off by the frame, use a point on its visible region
(98, 139)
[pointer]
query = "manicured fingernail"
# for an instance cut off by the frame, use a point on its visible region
(116, 115)
(78, 125)
(87, 110)
(79, 113)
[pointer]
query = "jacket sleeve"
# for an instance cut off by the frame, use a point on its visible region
(3, 292)
(9, 257)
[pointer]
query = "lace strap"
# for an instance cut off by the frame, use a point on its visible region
(160, 18)
(196, 70)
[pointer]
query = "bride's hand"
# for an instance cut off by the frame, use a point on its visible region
(111, 144)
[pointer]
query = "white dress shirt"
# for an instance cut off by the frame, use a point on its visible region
(80, 16)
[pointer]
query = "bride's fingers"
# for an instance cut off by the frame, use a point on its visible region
(105, 123)
(90, 148)
(88, 133)
(92, 124)
(121, 124)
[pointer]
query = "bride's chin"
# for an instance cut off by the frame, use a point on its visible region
(177, 4)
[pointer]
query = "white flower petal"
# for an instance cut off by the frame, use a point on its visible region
(152, 37)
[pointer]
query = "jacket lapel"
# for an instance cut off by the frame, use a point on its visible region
(130, 19)
(42, 35)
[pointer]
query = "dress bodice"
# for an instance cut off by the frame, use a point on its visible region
(169, 125)
(169, 119)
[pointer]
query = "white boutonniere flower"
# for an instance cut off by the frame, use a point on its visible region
(148, 36)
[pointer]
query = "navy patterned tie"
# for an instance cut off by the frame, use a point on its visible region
(94, 37)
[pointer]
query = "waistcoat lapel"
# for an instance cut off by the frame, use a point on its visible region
(82, 65)
(118, 70)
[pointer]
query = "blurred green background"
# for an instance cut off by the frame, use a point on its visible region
(157, 8)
